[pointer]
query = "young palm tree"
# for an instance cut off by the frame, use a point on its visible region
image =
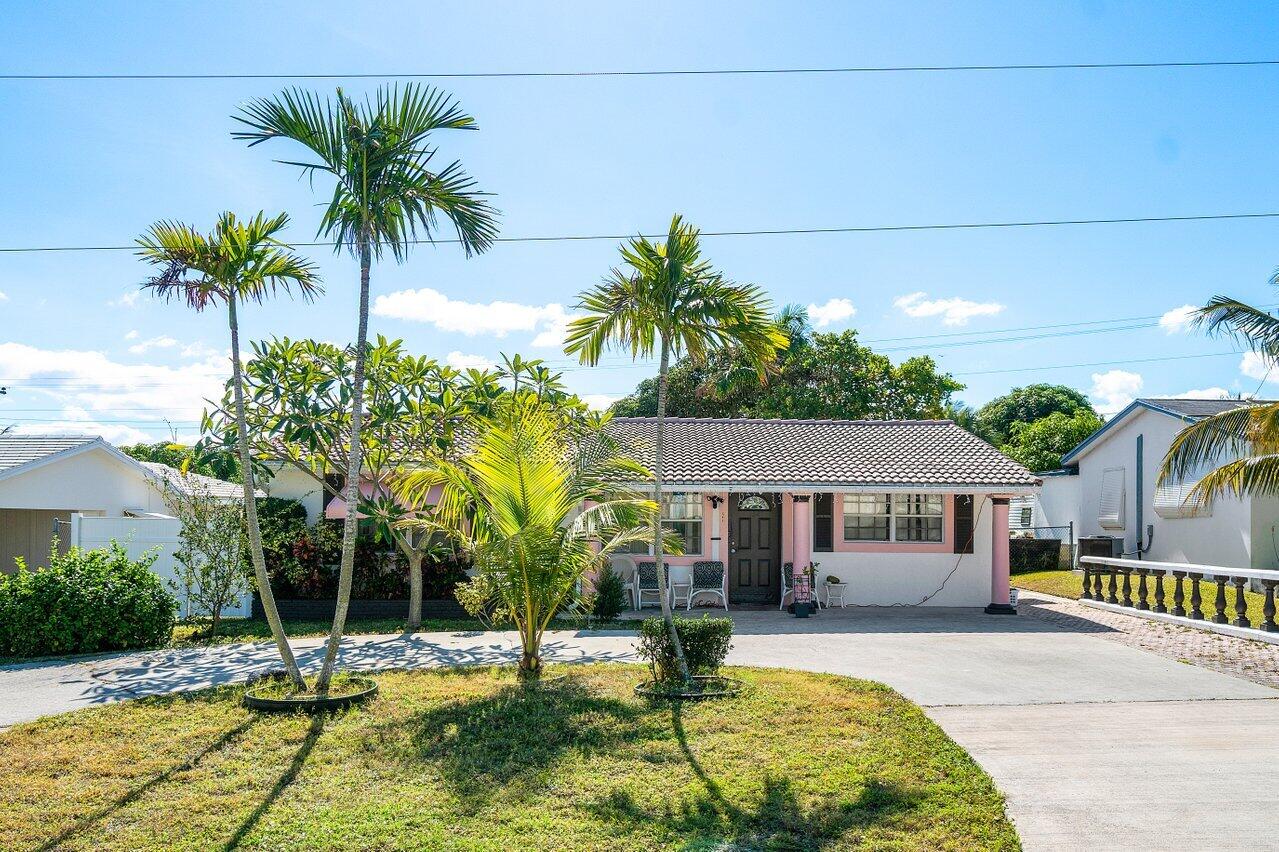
(240, 261)
(669, 300)
(379, 155)
(1247, 438)
(535, 505)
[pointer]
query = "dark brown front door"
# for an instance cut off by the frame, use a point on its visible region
(754, 522)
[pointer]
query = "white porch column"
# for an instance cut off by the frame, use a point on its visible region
(999, 564)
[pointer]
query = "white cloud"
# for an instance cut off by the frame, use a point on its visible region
(1254, 365)
(161, 342)
(92, 388)
(953, 311)
(554, 330)
(202, 350)
(1177, 320)
(462, 361)
(598, 401)
(498, 318)
(117, 434)
(832, 312)
(131, 335)
(1114, 389)
(128, 299)
(4, 297)
(1203, 393)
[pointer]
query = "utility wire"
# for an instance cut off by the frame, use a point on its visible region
(762, 232)
(670, 72)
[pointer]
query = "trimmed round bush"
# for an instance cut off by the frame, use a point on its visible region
(85, 601)
(705, 640)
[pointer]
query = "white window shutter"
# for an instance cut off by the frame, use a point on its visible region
(1111, 511)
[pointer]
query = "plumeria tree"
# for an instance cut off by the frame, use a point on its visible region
(667, 299)
(538, 501)
(387, 193)
(242, 260)
(299, 413)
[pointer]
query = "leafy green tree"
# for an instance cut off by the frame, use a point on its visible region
(668, 299)
(239, 261)
(536, 506)
(1041, 444)
(218, 463)
(1240, 447)
(1026, 405)
(379, 154)
(299, 415)
(831, 376)
(211, 544)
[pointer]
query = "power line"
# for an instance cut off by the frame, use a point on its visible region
(670, 72)
(1098, 364)
(761, 232)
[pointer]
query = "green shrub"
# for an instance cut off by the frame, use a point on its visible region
(706, 642)
(85, 601)
(610, 595)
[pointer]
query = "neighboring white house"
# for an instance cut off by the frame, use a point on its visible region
(85, 492)
(1118, 466)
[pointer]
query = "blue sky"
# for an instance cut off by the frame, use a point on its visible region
(94, 163)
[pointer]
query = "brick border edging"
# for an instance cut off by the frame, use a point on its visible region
(1182, 621)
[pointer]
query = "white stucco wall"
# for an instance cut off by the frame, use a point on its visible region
(1222, 538)
(887, 578)
(94, 481)
(1058, 502)
(292, 484)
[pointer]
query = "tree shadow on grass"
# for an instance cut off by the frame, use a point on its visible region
(286, 778)
(509, 740)
(223, 740)
(778, 820)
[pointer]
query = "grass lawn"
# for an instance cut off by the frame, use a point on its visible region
(1068, 584)
(470, 760)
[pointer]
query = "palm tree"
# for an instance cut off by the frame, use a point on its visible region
(670, 300)
(1247, 437)
(240, 261)
(536, 503)
(379, 155)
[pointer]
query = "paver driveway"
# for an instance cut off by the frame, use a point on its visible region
(1097, 745)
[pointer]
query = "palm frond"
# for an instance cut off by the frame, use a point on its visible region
(386, 194)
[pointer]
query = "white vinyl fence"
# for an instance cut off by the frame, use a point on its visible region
(137, 536)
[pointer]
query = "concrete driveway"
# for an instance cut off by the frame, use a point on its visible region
(1097, 745)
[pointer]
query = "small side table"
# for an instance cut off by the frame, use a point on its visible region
(835, 595)
(680, 594)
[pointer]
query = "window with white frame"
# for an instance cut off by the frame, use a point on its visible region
(682, 513)
(893, 517)
(867, 517)
(917, 517)
(1111, 509)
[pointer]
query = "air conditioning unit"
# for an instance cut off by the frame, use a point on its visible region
(1101, 545)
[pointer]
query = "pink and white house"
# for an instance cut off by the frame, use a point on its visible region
(902, 512)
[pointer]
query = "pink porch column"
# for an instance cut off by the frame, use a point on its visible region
(801, 531)
(999, 603)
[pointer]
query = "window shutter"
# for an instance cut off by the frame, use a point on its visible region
(823, 523)
(1111, 510)
(963, 538)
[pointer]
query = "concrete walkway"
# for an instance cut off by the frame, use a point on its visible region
(1096, 744)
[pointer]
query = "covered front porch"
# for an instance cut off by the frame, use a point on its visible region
(861, 546)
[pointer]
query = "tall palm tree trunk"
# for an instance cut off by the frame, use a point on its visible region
(659, 443)
(350, 525)
(251, 510)
(414, 554)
